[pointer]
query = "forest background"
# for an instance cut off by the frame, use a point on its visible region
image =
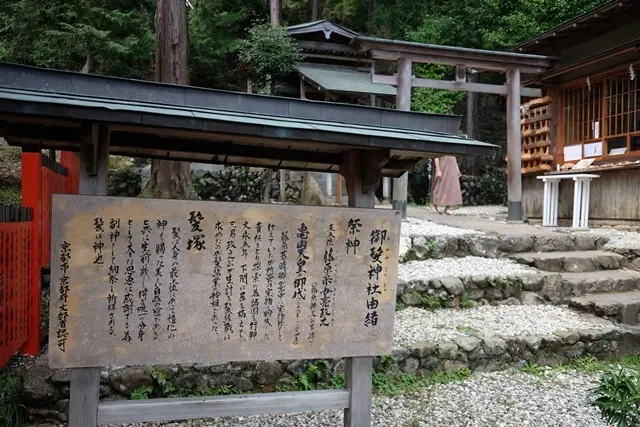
(229, 42)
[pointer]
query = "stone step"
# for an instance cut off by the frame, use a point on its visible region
(621, 306)
(424, 247)
(596, 282)
(572, 262)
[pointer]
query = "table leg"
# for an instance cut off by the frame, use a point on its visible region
(585, 204)
(555, 194)
(546, 205)
(577, 202)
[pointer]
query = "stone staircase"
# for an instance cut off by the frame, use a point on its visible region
(596, 282)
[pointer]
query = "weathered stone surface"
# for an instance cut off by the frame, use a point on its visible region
(47, 414)
(509, 301)
(585, 242)
(576, 350)
(190, 380)
(532, 282)
(268, 372)
(61, 376)
(494, 346)
(412, 299)
(484, 246)
(417, 285)
(410, 366)
(531, 298)
(515, 244)
(533, 342)
(467, 344)
(241, 383)
(553, 243)
(568, 337)
(126, 380)
(550, 359)
(452, 284)
(448, 350)
(37, 391)
(453, 365)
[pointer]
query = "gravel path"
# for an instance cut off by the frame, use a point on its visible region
(459, 267)
(504, 399)
(421, 227)
(414, 325)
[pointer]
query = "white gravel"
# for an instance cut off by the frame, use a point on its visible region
(495, 213)
(413, 325)
(497, 399)
(459, 267)
(421, 227)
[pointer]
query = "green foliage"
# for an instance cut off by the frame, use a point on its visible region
(466, 302)
(490, 188)
(141, 393)
(12, 412)
(117, 35)
(435, 100)
(316, 376)
(10, 196)
(394, 384)
(269, 52)
(124, 182)
(400, 305)
(532, 368)
(428, 302)
(467, 330)
(420, 184)
(617, 395)
(233, 184)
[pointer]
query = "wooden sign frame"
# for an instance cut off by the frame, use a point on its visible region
(361, 168)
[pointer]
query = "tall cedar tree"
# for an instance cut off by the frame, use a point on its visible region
(169, 179)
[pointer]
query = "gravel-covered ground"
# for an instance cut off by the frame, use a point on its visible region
(504, 399)
(414, 325)
(459, 267)
(617, 238)
(421, 227)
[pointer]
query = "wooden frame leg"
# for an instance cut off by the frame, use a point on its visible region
(84, 396)
(358, 374)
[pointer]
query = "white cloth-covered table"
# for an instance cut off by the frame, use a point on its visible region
(582, 184)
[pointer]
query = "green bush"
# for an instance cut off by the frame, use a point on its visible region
(12, 412)
(420, 184)
(231, 184)
(124, 182)
(10, 196)
(618, 397)
(490, 188)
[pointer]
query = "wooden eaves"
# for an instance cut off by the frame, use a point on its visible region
(49, 109)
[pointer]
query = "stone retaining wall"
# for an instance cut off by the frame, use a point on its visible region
(455, 292)
(418, 248)
(46, 392)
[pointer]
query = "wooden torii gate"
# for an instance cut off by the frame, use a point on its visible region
(465, 60)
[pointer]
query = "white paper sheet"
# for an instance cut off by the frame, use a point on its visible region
(572, 152)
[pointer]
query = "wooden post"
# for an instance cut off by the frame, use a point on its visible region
(514, 143)
(403, 103)
(360, 174)
(385, 189)
(338, 189)
(31, 197)
(283, 186)
(85, 382)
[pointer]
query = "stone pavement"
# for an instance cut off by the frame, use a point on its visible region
(480, 224)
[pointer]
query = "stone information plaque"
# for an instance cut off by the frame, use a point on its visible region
(146, 281)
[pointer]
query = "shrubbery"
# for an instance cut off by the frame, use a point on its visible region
(490, 188)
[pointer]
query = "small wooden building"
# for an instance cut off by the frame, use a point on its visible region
(591, 110)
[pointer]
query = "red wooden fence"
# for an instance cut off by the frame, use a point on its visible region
(16, 279)
(25, 247)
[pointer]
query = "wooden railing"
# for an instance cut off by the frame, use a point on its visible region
(18, 274)
(25, 247)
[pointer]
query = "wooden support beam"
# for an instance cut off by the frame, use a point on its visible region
(85, 382)
(514, 144)
(454, 85)
(134, 411)
(480, 64)
(403, 103)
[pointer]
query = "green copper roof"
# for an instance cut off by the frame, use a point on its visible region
(343, 80)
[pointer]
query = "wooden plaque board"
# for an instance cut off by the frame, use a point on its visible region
(146, 281)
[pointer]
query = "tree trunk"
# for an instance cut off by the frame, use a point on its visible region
(169, 179)
(315, 10)
(275, 9)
